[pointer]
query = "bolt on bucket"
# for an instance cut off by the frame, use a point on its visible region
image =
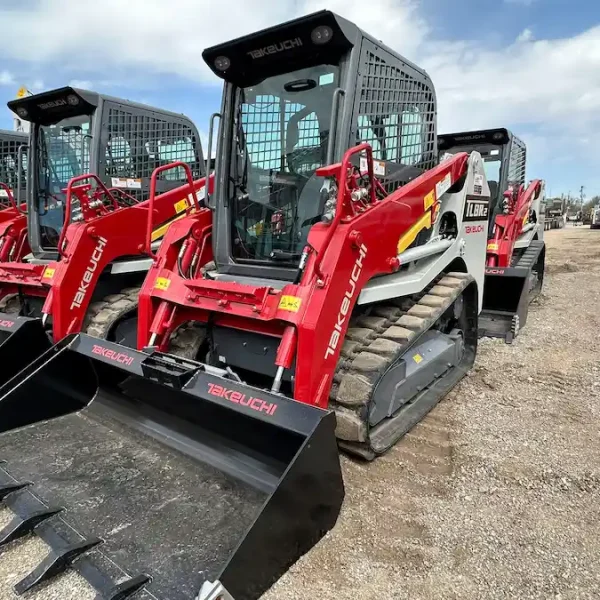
(22, 340)
(184, 481)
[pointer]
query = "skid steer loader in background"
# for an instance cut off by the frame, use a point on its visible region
(13, 223)
(339, 268)
(90, 251)
(516, 250)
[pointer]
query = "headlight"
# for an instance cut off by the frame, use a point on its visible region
(321, 35)
(222, 63)
(22, 112)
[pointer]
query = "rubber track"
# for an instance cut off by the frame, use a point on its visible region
(10, 304)
(373, 342)
(187, 340)
(102, 315)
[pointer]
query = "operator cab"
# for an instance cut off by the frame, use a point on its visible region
(503, 154)
(297, 97)
(75, 132)
(13, 164)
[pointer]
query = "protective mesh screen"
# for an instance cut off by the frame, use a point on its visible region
(396, 113)
(516, 168)
(264, 121)
(138, 143)
(8, 163)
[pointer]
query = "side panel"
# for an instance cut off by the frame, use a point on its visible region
(469, 205)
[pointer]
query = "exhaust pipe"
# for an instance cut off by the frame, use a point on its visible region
(186, 480)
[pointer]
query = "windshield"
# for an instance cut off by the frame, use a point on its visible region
(63, 152)
(492, 174)
(282, 134)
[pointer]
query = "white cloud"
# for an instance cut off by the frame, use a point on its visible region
(552, 85)
(83, 84)
(525, 36)
(37, 85)
(7, 78)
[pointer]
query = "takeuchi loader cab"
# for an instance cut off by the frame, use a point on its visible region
(330, 288)
(13, 222)
(515, 254)
(87, 230)
(12, 166)
(75, 132)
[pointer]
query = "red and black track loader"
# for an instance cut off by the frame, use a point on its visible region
(516, 250)
(13, 222)
(330, 288)
(91, 230)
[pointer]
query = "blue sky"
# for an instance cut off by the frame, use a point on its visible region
(530, 65)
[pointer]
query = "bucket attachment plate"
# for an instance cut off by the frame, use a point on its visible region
(200, 479)
(22, 340)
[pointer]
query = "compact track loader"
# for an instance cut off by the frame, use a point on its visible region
(335, 276)
(13, 223)
(516, 250)
(89, 239)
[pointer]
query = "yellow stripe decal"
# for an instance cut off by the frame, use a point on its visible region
(162, 229)
(411, 235)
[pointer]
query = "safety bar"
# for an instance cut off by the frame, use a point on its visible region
(337, 94)
(209, 151)
(342, 191)
(70, 187)
(153, 180)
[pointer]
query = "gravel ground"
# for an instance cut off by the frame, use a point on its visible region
(494, 495)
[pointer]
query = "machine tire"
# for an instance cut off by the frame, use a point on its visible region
(187, 340)
(103, 316)
(10, 305)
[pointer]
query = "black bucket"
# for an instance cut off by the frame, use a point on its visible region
(187, 478)
(22, 340)
(508, 291)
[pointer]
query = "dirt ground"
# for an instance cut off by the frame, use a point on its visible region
(495, 495)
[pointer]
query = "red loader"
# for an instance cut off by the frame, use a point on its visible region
(336, 276)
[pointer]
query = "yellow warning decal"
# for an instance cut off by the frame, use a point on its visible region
(181, 205)
(48, 273)
(492, 246)
(411, 235)
(290, 303)
(417, 358)
(162, 283)
(429, 200)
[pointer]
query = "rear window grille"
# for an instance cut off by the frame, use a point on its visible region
(396, 114)
(138, 143)
(8, 162)
(516, 168)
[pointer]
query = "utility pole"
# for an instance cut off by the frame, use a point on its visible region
(581, 194)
